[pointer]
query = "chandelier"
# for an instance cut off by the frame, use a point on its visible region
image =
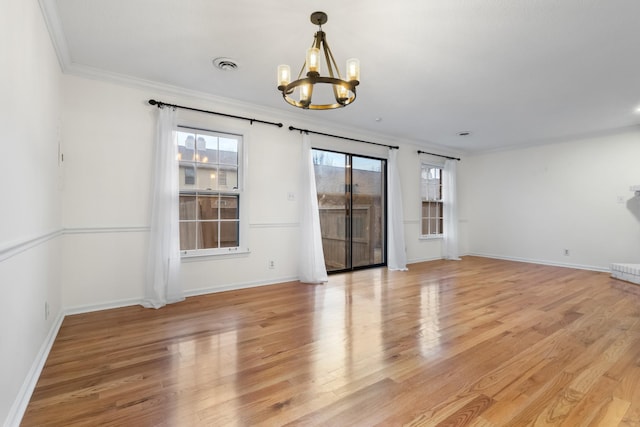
(335, 92)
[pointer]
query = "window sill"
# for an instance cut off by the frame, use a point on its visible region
(213, 253)
(431, 237)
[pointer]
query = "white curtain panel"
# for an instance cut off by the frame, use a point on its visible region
(163, 259)
(397, 255)
(311, 265)
(449, 199)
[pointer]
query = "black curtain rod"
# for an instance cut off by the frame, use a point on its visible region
(438, 155)
(161, 104)
(343, 137)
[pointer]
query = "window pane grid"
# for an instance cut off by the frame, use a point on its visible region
(209, 190)
(432, 218)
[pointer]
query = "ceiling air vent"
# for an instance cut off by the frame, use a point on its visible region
(225, 64)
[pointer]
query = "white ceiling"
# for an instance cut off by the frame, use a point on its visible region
(512, 72)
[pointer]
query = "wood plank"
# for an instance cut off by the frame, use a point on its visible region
(478, 342)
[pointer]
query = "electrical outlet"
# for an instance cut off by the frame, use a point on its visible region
(46, 310)
(566, 252)
(272, 264)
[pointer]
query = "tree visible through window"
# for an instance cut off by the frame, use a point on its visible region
(209, 190)
(431, 195)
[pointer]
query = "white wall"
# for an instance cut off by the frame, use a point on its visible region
(73, 234)
(533, 203)
(75, 237)
(108, 133)
(29, 171)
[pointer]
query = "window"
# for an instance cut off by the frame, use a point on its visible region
(189, 175)
(431, 206)
(210, 191)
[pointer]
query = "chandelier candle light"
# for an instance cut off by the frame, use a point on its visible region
(343, 91)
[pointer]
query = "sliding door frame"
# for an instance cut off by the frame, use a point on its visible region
(349, 208)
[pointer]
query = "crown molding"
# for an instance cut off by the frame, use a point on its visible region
(56, 34)
(267, 113)
(299, 119)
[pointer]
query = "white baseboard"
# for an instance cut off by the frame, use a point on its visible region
(237, 286)
(24, 395)
(417, 260)
(542, 262)
(188, 293)
(99, 307)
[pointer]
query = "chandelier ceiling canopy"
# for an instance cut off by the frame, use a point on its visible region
(330, 91)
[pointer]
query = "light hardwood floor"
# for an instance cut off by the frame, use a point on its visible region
(474, 342)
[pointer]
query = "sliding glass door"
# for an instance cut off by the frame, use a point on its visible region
(352, 204)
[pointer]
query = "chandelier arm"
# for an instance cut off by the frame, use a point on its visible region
(341, 98)
(331, 63)
(318, 39)
(330, 59)
(304, 64)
